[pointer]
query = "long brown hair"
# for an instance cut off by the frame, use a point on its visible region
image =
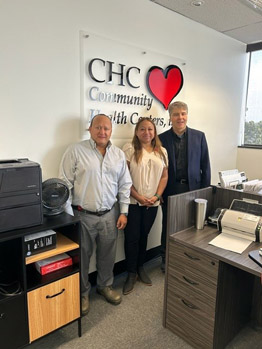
(156, 143)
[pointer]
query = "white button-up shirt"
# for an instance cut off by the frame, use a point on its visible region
(96, 182)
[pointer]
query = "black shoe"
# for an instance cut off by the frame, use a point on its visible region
(130, 283)
(142, 275)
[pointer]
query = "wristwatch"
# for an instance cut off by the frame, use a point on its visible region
(126, 214)
(158, 197)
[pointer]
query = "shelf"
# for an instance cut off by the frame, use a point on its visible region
(52, 222)
(63, 244)
(35, 279)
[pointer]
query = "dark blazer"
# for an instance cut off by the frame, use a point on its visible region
(198, 160)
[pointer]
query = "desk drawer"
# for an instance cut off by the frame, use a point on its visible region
(190, 319)
(194, 279)
(186, 259)
(194, 332)
(53, 305)
(200, 294)
(191, 305)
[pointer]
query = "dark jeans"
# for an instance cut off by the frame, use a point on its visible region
(139, 224)
(179, 189)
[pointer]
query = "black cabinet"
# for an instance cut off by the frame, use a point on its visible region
(22, 286)
(13, 322)
(13, 316)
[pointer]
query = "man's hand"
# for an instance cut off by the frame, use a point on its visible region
(121, 222)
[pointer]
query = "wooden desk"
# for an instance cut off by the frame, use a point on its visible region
(210, 293)
(209, 290)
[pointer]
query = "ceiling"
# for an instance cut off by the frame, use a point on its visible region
(239, 19)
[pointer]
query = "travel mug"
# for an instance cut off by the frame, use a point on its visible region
(201, 207)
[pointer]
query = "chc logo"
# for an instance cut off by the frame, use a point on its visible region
(163, 84)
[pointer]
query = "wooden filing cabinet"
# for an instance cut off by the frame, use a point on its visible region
(191, 295)
(53, 300)
(207, 300)
(209, 291)
(53, 305)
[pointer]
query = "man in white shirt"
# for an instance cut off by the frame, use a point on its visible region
(97, 175)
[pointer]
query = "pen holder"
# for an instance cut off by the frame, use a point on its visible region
(200, 209)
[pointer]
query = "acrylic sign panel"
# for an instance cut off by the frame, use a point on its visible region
(126, 83)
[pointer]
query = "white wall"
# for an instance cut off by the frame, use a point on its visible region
(40, 73)
(249, 161)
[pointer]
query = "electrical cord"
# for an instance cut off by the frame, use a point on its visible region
(5, 292)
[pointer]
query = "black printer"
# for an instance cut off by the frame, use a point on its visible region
(20, 194)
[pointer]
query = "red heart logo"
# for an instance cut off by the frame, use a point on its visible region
(164, 84)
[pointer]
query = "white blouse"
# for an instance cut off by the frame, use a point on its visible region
(147, 173)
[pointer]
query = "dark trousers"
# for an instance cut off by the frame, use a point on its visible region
(139, 224)
(164, 231)
(179, 189)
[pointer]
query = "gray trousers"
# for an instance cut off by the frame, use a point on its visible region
(101, 230)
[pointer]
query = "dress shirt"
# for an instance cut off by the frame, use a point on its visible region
(147, 173)
(180, 144)
(96, 181)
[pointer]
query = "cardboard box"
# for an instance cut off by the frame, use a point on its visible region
(50, 264)
(39, 242)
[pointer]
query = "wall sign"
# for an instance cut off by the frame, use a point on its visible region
(126, 83)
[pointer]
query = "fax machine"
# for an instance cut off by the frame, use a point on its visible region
(20, 194)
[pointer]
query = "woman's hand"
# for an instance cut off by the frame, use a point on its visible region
(143, 200)
(147, 201)
(152, 200)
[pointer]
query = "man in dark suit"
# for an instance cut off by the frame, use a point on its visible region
(189, 166)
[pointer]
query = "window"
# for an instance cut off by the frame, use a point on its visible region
(253, 116)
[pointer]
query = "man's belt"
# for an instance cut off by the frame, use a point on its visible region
(182, 181)
(97, 213)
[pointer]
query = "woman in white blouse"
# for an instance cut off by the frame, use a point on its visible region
(147, 161)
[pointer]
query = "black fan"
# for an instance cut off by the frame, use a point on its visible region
(55, 193)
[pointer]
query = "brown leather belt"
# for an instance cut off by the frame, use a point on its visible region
(97, 213)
